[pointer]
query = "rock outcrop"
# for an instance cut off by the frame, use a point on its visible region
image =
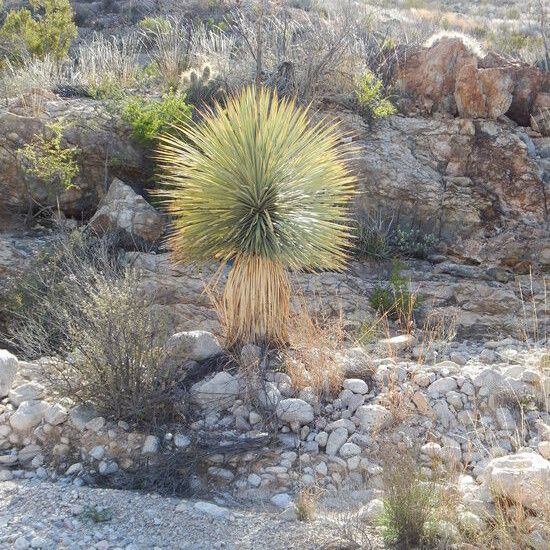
(480, 186)
(449, 77)
(105, 150)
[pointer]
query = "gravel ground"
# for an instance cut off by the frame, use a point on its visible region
(35, 514)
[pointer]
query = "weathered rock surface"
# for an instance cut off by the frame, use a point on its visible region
(450, 77)
(477, 185)
(523, 478)
(105, 145)
(127, 215)
(295, 410)
(196, 345)
(217, 393)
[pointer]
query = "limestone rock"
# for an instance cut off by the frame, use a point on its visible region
(523, 477)
(356, 386)
(218, 393)
(28, 415)
(295, 410)
(196, 345)
(374, 417)
(98, 135)
(26, 392)
(128, 215)
(8, 371)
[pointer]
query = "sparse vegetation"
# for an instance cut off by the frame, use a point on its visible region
(150, 119)
(372, 101)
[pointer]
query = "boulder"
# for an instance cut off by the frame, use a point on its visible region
(26, 392)
(28, 415)
(128, 215)
(8, 371)
(373, 418)
(218, 393)
(523, 478)
(196, 345)
(295, 411)
(483, 93)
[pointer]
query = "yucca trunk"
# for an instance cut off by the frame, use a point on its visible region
(256, 302)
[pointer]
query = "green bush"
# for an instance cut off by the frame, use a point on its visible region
(46, 31)
(410, 504)
(371, 98)
(394, 299)
(155, 24)
(46, 159)
(150, 118)
(412, 242)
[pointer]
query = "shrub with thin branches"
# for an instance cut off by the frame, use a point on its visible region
(83, 307)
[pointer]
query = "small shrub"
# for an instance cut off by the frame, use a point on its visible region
(86, 309)
(371, 98)
(410, 504)
(306, 504)
(98, 514)
(413, 243)
(47, 160)
(394, 299)
(150, 119)
(48, 30)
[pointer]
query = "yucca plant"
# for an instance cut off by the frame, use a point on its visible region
(257, 184)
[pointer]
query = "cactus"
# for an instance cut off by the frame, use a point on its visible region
(200, 85)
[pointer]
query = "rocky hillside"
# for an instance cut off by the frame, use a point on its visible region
(416, 381)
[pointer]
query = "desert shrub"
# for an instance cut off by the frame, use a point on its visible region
(48, 30)
(413, 242)
(380, 236)
(46, 159)
(371, 98)
(86, 310)
(373, 236)
(395, 300)
(150, 118)
(169, 50)
(410, 504)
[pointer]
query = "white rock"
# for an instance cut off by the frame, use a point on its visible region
(21, 543)
(74, 469)
(374, 417)
(544, 449)
(55, 414)
(150, 445)
(442, 386)
(356, 385)
(216, 394)
(255, 480)
(8, 371)
(347, 450)
(523, 478)
(197, 345)
(98, 452)
(432, 450)
(396, 344)
(107, 467)
(26, 392)
(470, 522)
(295, 410)
(269, 396)
(282, 500)
(181, 441)
(28, 415)
(211, 509)
(335, 440)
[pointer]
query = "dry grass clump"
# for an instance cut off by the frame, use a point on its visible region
(306, 504)
(313, 357)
